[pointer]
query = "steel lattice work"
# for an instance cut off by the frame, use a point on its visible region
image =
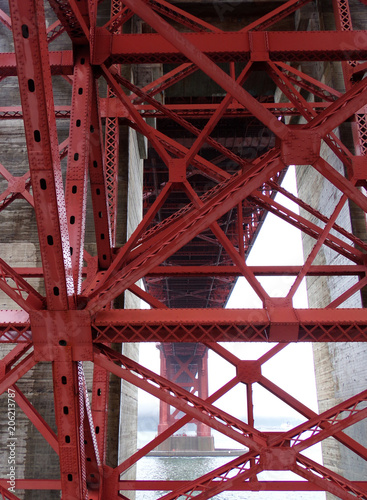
(215, 163)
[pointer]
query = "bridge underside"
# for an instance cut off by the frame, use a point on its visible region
(216, 160)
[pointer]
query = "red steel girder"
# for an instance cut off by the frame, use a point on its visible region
(249, 372)
(230, 46)
(78, 161)
(5, 19)
(276, 15)
(98, 175)
(286, 85)
(18, 187)
(319, 89)
(167, 80)
(19, 290)
(15, 326)
(260, 485)
(343, 20)
(13, 357)
(315, 270)
(226, 325)
(315, 325)
(187, 125)
(69, 424)
(111, 155)
(36, 419)
(74, 18)
(60, 63)
(99, 407)
(205, 111)
(40, 127)
(341, 109)
(328, 480)
(318, 215)
(13, 375)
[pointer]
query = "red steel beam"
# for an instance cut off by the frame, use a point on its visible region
(229, 46)
(60, 63)
(34, 484)
(315, 270)
(78, 161)
(328, 480)
(18, 289)
(5, 19)
(103, 222)
(231, 325)
(36, 419)
(41, 136)
(310, 415)
(13, 375)
(69, 425)
(182, 17)
(341, 109)
(276, 15)
(196, 55)
(204, 111)
(260, 485)
(212, 325)
(12, 357)
(72, 17)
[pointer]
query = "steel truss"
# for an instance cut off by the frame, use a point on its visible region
(72, 322)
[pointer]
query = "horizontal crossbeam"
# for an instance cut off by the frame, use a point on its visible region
(231, 325)
(244, 486)
(232, 46)
(209, 325)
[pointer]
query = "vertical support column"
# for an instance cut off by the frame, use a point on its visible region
(69, 425)
(203, 382)
(99, 407)
(187, 367)
(78, 160)
(112, 145)
(163, 407)
(35, 85)
(111, 164)
(97, 176)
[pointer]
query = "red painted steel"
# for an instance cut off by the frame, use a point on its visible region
(226, 47)
(205, 199)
